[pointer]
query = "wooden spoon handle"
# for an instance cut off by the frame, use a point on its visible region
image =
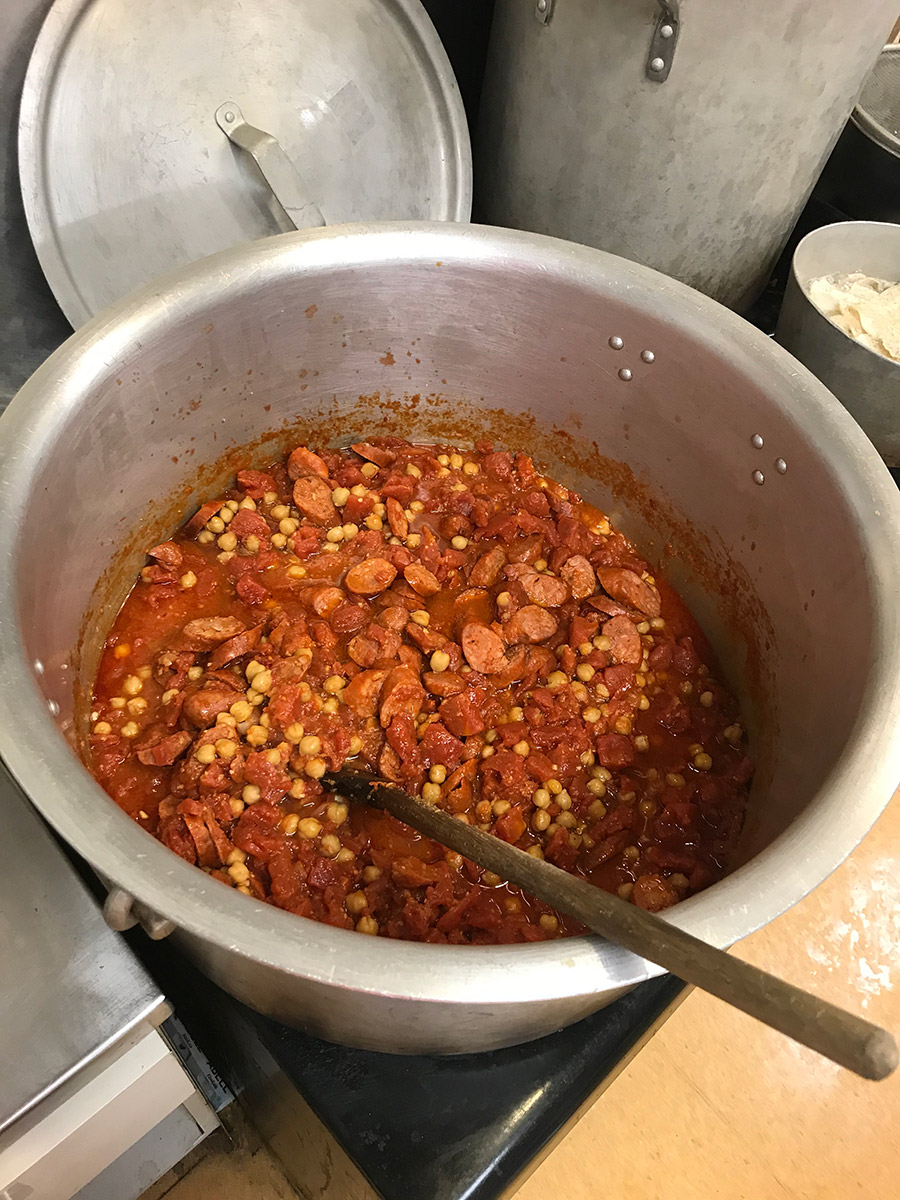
(846, 1039)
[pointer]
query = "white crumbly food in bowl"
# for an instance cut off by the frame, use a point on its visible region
(866, 309)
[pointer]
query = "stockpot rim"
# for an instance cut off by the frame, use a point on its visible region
(41, 760)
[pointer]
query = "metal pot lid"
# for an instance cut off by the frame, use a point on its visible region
(151, 135)
(877, 111)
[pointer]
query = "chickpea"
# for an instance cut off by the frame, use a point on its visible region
(440, 661)
(337, 812)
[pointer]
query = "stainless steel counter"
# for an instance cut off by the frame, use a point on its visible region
(69, 986)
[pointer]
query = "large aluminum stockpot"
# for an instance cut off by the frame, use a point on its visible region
(762, 498)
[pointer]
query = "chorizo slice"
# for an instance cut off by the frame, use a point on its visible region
(375, 454)
(396, 517)
(624, 641)
(370, 577)
(302, 461)
(168, 555)
(444, 683)
(363, 692)
(326, 599)
(428, 640)
(203, 706)
(483, 648)
(578, 573)
(393, 617)
(312, 496)
(205, 633)
(530, 624)
(401, 696)
(164, 752)
(421, 580)
(349, 618)
(546, 590)
(628, 587)
(486, 570)
(201, 516)
(243, 643)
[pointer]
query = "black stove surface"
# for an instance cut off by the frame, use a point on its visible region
(418, 1127)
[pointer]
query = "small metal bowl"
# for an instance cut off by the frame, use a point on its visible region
(866, 383)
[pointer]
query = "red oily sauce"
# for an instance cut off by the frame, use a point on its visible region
(454, 622)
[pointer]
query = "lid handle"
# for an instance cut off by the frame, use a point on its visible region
(277, 169)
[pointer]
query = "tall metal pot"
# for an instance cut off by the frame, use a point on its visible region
(692, 153)
(758, 493)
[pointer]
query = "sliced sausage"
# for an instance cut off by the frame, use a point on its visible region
(312, 496)
(624, 641)
(421, 580)
(401, 696)
(393, 617)
(235, 647)
(366, 649)
(428, 640)
(628, 587)
(530, 624)
(370, 577)
(612, 608)
(256, 483)
(165, 751)
(483, 648)
(375, 454)
(545, 590)
(349, 618)
(487, 570)
(396, 517)
(201, 516)
(444, 683)
(168, 555)
(363, 692)
(202, 707)
(302, 462)
(205, 633)
(578, 573)
(326, 599)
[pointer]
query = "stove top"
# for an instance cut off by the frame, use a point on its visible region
(415, 1127)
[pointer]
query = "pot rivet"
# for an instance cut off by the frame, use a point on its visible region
(53, 708)
(757, 441)
(656, 64)
(666, 31)
(616, 342)
(648, 356)
(625, 373)
(38, 667)
(759, 478)
(780, 466)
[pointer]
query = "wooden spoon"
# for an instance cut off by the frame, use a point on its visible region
(839, 1035)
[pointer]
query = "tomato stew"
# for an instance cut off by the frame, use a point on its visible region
(454, 621)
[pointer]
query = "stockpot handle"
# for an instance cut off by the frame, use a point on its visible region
(276, 167)
(121, 911)
(662, 43)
